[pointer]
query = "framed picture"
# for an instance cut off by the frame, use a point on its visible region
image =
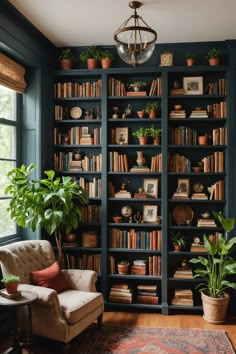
(150, 213)
(193, 85)
(150, 186)
(184, 185)
(166, 59)
(84, 130)
(121, 136)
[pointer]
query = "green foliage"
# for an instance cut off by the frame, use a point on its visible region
(190, 56)
(91, 52)
(177, 239)
(52, 203)
(218, 265)
(66, 54)
(214, 53)
(123, 262)
(106, 54)
(154, 132)
(10, 278)
(141, 132)
(151, 105)
(138, 84)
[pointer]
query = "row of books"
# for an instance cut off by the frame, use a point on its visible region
(85, 261)
(76, 89)
(93, 188)
(214, 162)
(118, 88)
(217, 88)
(78, 135)
(217, 110)
(119, 163)
(135, 239)
(218, 190)
(178, 163)
(183, 135)
(64, 161)
(91, 214)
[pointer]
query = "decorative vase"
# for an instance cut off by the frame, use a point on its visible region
(140, 158)
(214, 61)
(215, 309)
(106, 63)
(91, 63)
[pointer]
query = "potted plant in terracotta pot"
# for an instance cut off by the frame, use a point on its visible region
(213, 56)
(91, 55)
(66, 59)
(11, 282)
(106, 59)
(155, 133)
(137, 86)
(123, 267)
(178, 241)
(151, 109)
(214, 271)
(142, 134)
(190, 59)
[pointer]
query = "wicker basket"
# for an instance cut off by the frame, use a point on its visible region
(89, 239)
(215, 308)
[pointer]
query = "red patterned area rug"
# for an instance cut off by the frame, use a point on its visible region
(113, 339)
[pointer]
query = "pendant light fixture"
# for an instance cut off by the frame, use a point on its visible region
(135, 40)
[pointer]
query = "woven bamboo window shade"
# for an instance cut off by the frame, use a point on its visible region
(12, 74)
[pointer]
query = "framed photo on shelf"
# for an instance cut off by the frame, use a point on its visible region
(184, 185)
(150, 213)
(150, 186)
(166, 59)
(193, 85)
(122, 135)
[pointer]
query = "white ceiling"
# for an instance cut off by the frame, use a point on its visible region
(87, 22)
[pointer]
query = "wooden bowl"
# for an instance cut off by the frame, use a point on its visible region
(117, 219)
(177, 107)
(196, 169)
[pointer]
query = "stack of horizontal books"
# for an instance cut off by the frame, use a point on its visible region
(177, 114)
(121, 293)
(147, 294)
(197, 247)
(183, 297)
(183, 272)
(206, 223)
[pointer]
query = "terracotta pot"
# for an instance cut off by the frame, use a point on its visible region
(214, 61)
(190, 62)
(66, 64)
(106, 63)
(177, 248)
(71, 237)
(143, 140)
(203, 140)
(12, 287)
(214, 309)
(91, 63)
(123, 268)
(156, 140)
(140, 114)
(152, 113)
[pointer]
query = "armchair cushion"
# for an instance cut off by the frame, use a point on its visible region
(51, 277)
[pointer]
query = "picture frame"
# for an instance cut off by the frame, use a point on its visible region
(150, 214)
(184, 185)
(150, 187)
(122, 135)
(166, 59)
(193, 85)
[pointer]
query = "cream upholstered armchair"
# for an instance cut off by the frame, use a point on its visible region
(59, 316)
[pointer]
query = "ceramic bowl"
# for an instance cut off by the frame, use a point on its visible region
(196, 169)
(177, 107)
(117, 219)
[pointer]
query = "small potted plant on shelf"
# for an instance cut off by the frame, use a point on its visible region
(91, 55)
(123, 267)
(151, 109)
(11, 282)
(213, 56)
(137, 86)
(142, 134)
(155, 133)
(106, 59)
(214, 271)
(190, 59)
(178, 241)
(66, 59)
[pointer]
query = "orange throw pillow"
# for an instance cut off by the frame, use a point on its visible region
(51, 277)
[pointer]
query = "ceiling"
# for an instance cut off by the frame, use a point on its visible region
(87, 22)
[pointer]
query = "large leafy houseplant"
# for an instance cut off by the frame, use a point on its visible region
(54, 203)
(219, 264)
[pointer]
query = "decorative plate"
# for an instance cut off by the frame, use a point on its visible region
(126, 211)
(181, 214)
(76, 112)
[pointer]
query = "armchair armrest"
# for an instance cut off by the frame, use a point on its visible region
(83, 280)
(46, 296)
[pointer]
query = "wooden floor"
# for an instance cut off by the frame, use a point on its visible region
(153, 320)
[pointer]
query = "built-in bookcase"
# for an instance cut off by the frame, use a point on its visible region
(133, 210)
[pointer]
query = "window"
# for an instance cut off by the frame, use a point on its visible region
(8, 154)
